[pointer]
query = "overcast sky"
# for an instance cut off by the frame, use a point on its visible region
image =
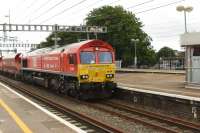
(163, 24)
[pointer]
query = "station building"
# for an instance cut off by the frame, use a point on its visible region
(191, 42)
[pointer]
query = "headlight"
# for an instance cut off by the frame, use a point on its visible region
(84, 76)
(109, 75)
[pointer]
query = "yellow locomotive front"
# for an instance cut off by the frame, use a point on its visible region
(97, 72)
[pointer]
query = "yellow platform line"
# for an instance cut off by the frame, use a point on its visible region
(19, 122)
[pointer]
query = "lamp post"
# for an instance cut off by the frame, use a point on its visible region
(8, 16)
(184, 9)
(4, 33)
(135, 48)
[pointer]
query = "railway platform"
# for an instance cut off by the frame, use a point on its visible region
(19, 114)
(129, 70)
(163, 84)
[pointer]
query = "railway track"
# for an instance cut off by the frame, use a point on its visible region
(154, 120)
(159, 122)
(96, 125)
(123, 113)
(156, 116)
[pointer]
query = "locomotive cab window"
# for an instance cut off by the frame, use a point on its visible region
(87, 57)
(105, 57)
(72, 59)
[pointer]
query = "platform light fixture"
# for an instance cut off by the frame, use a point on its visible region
(184, 9)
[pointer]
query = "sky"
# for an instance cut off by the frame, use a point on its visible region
(164, 25)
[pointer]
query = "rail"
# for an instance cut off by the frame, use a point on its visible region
(85, 118)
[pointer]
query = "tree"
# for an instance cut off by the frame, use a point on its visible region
(65, 38)
(122, 27)
(166, 52)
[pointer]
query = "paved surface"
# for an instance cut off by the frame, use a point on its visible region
(151, 71)
(18, 116)
(167, 83)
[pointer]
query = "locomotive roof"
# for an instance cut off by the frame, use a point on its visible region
(39, 51)
(11, 56)
(76, 46)
(70, 47)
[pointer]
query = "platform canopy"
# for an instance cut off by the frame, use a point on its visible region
(190, 39)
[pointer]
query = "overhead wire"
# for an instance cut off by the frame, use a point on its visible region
(127, 8)
(91, 5)
(113, 2)
(162, 34)
(88, 6)
(83, 8)
(48, 10)
(154, 8)
(18, 7)
(57, 14)
(131, 6)
(140, 4)
(41, 6)
(45, 3)
(97, 2)
(19, 4)
(32, 3)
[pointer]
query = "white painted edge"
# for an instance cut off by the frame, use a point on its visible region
(74, 128)
(151, 71)
(160, 93)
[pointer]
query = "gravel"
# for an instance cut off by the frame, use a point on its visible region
(115, 121)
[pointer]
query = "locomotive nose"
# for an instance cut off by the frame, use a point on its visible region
(96, 73)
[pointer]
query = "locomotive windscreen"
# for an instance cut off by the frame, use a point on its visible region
(87, 57)
(105, 57)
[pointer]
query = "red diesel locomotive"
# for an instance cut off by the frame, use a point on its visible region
(85, 69)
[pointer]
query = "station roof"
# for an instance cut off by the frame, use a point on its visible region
(190, 39)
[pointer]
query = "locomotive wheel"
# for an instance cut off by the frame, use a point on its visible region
(46, 83)
(74, 93)
(54, 84)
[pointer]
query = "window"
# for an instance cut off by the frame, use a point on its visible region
(105, 57)
(72, 59)
(87, 57)
(196, 51)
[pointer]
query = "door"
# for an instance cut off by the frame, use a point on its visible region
(196, 65)
(72, 63)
